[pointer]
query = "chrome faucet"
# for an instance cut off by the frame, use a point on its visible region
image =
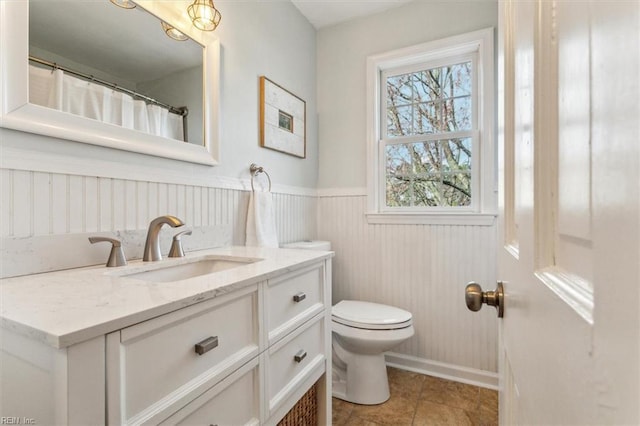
(152, 246)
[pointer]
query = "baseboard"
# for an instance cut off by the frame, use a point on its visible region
(471, 376)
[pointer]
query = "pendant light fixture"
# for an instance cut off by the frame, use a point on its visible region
(172, 32)
(204, 15)
(125, 4)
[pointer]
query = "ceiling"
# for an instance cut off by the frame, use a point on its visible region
(323, 13)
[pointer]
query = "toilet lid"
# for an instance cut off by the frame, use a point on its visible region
(367, 315)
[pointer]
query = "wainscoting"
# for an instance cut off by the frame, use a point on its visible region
(44, 214)
(46, 217)
(423, 269)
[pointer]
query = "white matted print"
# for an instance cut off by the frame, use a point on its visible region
(282, 119)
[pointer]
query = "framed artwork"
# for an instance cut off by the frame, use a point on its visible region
(283, 118)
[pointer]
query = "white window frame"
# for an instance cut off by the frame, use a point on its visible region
(476, 46)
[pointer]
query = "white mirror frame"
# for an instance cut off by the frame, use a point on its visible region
(17, 113)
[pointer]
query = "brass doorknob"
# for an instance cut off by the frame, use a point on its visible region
(475, 297)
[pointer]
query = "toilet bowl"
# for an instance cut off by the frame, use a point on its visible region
(361, 333)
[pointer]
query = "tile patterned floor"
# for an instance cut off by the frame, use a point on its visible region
(422, 400)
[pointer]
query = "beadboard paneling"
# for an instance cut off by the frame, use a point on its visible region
(52, 207)
(421, 268)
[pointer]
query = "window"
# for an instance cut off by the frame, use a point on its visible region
(431, 132)
(436, 105)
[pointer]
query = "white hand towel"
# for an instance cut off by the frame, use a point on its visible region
(261, 224)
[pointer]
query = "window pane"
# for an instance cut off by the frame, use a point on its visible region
(427, 157)
(398, 192)
(457, 114)
(399, 90)
(456, 190)
(398, 160)
(399, 121)
(426, 191)
(399, 173)
(456, 155)
(427, 118)
(456, 80)
(427, 85)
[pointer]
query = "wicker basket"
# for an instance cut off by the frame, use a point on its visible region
(305, 412)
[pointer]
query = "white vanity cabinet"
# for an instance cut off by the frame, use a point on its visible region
(272, 336)
(243, 357)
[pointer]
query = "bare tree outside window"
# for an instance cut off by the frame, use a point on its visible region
(436, 103)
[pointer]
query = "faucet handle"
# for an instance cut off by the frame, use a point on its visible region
(176, 245)
(116, 256)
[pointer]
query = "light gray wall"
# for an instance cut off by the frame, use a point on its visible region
(272, 39)
(342, 54)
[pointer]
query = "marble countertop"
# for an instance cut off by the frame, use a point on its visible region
(67, 307)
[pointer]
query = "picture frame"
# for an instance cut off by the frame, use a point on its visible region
(283, 118)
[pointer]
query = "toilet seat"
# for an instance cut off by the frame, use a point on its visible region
(370, 316)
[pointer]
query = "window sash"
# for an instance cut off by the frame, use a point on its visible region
(475, 177)
(425, 66)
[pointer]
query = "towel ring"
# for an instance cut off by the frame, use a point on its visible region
(255, 169)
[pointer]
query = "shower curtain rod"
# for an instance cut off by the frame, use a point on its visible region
(182, 111)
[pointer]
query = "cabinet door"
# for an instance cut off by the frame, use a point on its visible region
(234, 401)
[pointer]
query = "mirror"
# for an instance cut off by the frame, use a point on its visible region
(95, 44)
(136, 65)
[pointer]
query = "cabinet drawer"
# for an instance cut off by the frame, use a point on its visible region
(158, 367)
(292, 360)
(234, 401)
(292, 299)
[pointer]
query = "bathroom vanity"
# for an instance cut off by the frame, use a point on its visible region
(226, 336)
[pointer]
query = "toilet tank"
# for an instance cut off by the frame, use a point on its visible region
(309, 245)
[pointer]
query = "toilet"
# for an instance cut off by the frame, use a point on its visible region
(361, 333)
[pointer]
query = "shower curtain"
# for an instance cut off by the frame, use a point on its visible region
(57, 90)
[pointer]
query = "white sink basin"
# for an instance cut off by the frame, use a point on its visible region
(183, 271)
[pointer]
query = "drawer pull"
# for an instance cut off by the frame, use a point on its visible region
(300, 355)
(206, 345)
(299, 297)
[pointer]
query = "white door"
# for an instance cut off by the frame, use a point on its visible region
(569, 223)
